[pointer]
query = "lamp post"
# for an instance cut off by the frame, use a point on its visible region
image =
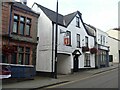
(56, 41)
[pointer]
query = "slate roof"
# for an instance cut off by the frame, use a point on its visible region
(90, 29)
(68, 18)
(63, 20)
(51, 14)
(23, 6)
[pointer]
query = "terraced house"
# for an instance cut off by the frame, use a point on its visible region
(19, 38)
(75, 42)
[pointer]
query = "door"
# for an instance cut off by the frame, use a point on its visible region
(75, 69)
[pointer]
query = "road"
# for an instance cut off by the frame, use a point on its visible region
(107, 79)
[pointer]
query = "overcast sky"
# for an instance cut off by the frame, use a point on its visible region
(102, 14)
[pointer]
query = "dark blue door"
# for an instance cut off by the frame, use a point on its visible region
(75, 69)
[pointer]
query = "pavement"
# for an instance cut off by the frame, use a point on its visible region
(40, 82)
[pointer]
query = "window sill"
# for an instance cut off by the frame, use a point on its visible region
(21, 35)
(87, 66)
(69, 45)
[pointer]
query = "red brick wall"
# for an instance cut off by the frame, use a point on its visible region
(5, 17)
(5, 26)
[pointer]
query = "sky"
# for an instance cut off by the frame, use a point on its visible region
(102, 14)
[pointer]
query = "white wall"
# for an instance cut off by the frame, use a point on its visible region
(98, 38)
(44, 48)
(74, 31)
(69, 49)
(114, 45)
(64, 64)
(114, 49)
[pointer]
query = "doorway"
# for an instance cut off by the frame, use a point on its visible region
(75, 68)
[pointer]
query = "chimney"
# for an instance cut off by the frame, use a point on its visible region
(23, 2)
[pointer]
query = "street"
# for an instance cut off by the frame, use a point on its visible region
(103, 80)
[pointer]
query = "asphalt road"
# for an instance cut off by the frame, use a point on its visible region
(107, 79)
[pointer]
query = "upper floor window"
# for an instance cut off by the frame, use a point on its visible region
(15, 24)
(103, 40)
(86, 41)
(28, 26)
(78, 40)
(21, 25)
(68, 33)
(27, 56)
(77, 22)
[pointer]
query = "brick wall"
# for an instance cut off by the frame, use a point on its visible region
(5, 17)
(19, 40)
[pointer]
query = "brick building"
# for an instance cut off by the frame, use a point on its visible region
(19, 37)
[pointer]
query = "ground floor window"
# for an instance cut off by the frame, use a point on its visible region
(21, 55)
(4, 58)
(103, 57)
(87, 60)
(14, 58)
(27, 56)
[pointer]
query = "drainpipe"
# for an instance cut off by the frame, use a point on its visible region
(52, 49)
(10, 21)
(96, 56)
(56, 41)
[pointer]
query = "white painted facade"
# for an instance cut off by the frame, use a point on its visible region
(114, 44)
(101, 37)
(45, 56)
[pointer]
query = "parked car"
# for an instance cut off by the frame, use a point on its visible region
(4, 72)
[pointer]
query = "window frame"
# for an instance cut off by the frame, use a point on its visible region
(87, 60)
(78, 41)
(21, 53)
(77, 21)
(23, 25)
(28, 24)
(86, 41)
(17, 21)
(27, 53)
(68, 33)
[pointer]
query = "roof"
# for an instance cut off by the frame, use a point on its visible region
(90, 29)
(63, 20)
(118, 29)
(51, 14)
(23, 6)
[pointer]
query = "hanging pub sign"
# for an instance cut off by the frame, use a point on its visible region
(66, 40)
